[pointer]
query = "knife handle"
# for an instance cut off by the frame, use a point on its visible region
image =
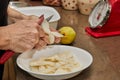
(6, 56)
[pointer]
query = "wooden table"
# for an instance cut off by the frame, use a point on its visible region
(105, 51)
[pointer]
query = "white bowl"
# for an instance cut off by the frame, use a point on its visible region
(84, 58)
(40, 10)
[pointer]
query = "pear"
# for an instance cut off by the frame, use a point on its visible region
(68, 33)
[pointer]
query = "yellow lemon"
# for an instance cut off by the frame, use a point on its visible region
(68, 33)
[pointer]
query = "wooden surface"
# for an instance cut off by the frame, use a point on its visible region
(105, 51)
(9, 71)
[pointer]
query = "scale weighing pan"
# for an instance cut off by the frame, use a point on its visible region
(104, 20)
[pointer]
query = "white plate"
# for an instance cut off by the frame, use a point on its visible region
(84, 57)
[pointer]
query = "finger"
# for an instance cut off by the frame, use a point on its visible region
(33, 35)
(46, 39)
(57, 39)
(52, 29)
(37, 38)
(33, 17)
(40, 45)
(20, 49)
(41, 18)
(41, 32)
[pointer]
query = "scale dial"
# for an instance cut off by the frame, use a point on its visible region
(100, 14)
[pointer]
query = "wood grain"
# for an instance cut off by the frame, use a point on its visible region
(6, 73)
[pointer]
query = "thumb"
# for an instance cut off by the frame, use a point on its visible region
(41, 18)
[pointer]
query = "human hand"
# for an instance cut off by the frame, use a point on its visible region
(24, 17)
(44, 39)
(23, 35)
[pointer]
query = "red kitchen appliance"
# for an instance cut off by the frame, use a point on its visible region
(105, 19)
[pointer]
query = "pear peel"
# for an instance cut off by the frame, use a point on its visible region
(45, 26)
(51, 38)
(46, 29)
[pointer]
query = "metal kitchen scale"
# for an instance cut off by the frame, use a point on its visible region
(104, 20)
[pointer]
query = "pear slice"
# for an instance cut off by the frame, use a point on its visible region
(45, 26)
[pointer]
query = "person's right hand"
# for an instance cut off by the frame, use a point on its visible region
(24, 35)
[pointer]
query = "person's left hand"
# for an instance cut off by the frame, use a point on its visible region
(25, 17)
